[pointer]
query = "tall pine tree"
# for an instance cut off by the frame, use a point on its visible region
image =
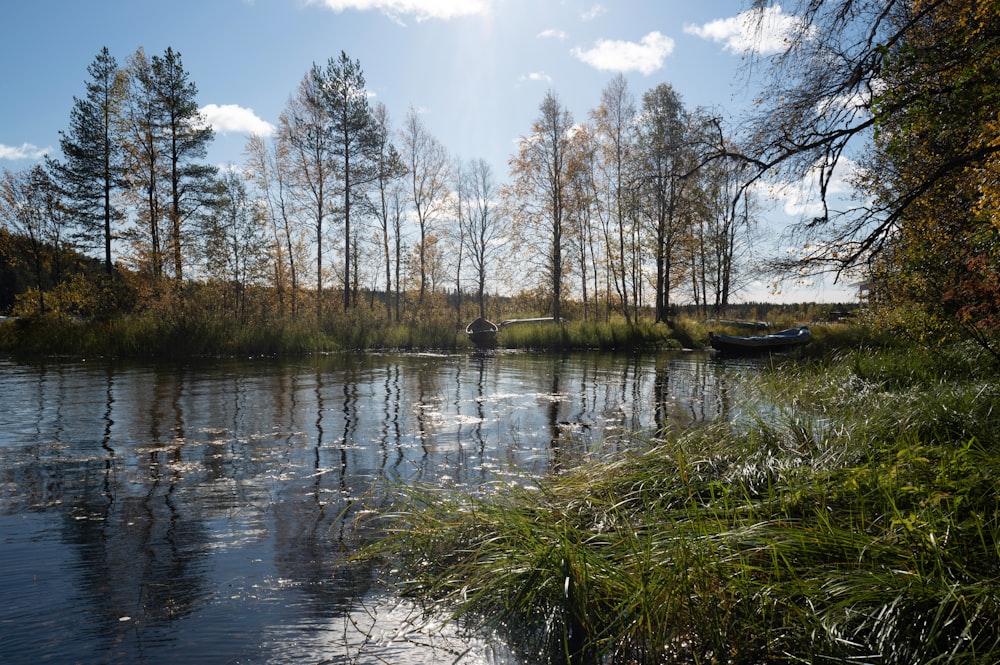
(353, 137)
(144, 165)
(92, 169)
(185, 136)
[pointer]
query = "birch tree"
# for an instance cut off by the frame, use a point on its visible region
(540, 173)
(382, 198)
(30, 208)
(428, 164)
(722, 233)
(305, 144)
(144, 166)
(614, 122)
(234, 242)
(483, 231)
(663, 160)
(581, 197)
(935, 168)
(906, 87)
(268, 168)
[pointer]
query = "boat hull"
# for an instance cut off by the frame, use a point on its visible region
(745, 345)
(482, 333)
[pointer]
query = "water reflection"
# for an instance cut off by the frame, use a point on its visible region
(203, 513)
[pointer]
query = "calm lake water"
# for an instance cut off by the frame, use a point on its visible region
(202, 513)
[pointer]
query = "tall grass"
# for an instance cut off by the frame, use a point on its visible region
(153, 337)
(197, 332)
(860, 524)
(611, 335)
(149, 335)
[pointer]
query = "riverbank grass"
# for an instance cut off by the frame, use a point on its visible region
(857, 522)
(151, 335)
(589, 335)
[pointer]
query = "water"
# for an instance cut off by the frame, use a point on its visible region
(203, 513)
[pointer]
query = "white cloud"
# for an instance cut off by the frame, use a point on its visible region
(421, 10)
(645, 56)
(858, 101)
(536, 76)
(801, 197)
(233, 118)
(593, 13)
(553, 33)
(764, 31)
(25, 151)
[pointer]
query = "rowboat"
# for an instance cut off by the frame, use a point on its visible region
(783, 340)
(482, 333)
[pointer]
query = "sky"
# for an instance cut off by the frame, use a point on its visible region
(476, 70)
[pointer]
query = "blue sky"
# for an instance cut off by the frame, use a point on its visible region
(476, 70)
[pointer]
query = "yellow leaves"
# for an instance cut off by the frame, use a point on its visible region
(970, 18)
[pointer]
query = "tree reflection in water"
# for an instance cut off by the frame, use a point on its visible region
(205, 512)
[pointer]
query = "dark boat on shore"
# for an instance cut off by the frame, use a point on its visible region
(482, 333)
(745, 345)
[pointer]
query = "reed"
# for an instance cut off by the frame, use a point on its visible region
(693, 334)
(150, 335)
(858, 523)
(194, 331)
(611, 335)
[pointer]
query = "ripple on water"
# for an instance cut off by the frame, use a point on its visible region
(382, 629)
(207, 513)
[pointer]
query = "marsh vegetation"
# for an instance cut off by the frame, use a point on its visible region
(855, 521)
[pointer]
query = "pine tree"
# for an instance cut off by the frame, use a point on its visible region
(92, 169)
(144, 165)
(185, 136)
(353, 138)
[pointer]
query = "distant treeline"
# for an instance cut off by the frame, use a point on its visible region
(29, 269)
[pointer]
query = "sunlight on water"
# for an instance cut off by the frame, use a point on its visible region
(384, 630)
(206, 513)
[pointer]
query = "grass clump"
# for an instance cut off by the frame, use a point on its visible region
(859, 524)
(611, 335)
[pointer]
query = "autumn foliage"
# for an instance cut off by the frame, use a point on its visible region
(939, 145)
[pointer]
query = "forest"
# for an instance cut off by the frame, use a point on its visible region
(636, 207)
(340, 197)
